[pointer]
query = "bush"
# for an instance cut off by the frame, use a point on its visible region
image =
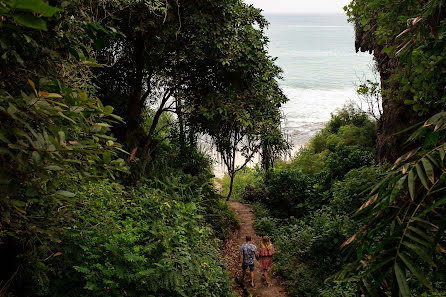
(290, 193)
(245, 177)
(361, 137)
(309, 162)
(334, 290)
(220, 216)
(350, 193)
(307, 251)
(254, 194)
(348, 126)
(267, 226)
(348, 115)
(140, 242)
(344, 159)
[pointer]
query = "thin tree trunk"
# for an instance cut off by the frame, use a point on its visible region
(230, 186)
(179, 106)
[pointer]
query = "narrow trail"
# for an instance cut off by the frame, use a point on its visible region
(231, 252)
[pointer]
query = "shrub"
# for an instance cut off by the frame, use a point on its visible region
(350, 193)
(136, 243)
(245, 177)
(361, 137)
(348, 115)
(267, 226)
(307, 251)
(290, 193)
(309, 162)
(254, 194)
(331, 289)
(344, 159)
(220, 216)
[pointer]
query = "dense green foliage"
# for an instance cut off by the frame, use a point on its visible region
(247, 176)
(104, 191)
(152, 240)
(305, 205)
(311, 215)
(399, 248)
(414, 32)
(405, 211)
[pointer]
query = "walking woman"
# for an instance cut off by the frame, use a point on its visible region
(266, 253)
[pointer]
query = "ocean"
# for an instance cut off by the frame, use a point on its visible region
(321, 68)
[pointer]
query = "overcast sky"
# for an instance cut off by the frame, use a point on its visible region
(300, 6)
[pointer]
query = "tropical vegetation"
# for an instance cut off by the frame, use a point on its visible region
(104, 188)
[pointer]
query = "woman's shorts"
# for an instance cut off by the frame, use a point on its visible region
(251, 266)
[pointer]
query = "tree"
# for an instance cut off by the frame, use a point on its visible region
(178, 60)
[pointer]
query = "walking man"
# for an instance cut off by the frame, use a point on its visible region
(248, 252)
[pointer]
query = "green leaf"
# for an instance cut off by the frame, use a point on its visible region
(397, 187)
(65, 193)
(11, 109)
(432, 159)
(53, 168)
(30, 21)
(36, 157)
(37, 6)
(108, 109)
(420, 232)
(442, 153)
(429, 169)
(411, 183)
(83, 96)
(401, 279)
(65, 117)
(421, 252)
(422, 176)
(413, 269)
(107, 158)
(381, 264)
(417, 239)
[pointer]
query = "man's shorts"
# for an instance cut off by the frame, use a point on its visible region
(251, 266)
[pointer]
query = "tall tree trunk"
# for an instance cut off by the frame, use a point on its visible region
(134, 102)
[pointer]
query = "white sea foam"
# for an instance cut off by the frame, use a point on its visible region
(308, 110)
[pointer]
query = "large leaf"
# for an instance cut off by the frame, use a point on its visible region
(36, 6)
(411, 183)
(429, 169)
(397, 187)
(420, 233)
(30, 21)
(422, 176)
(65, 193)
(401, 279)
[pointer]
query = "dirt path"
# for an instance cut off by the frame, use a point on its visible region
(231, 251)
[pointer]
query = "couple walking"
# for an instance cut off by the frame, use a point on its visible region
(265, 255)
